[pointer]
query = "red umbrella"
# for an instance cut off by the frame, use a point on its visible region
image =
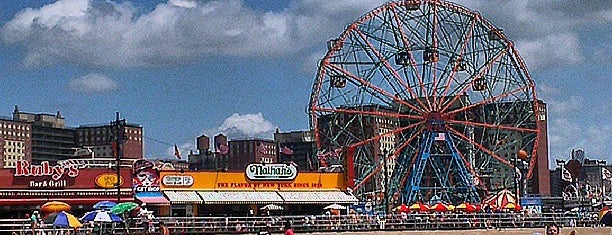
(419, 207)
(439, 207)
(500, 199)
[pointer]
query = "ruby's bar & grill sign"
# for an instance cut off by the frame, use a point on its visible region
(46, 175)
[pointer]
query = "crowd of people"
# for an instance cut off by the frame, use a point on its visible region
(146, 223)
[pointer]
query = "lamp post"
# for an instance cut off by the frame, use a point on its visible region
(117, 145)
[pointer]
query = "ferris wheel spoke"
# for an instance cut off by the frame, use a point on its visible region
(482, 148)
(468, 165)
(376, 88)
(488, 101)
(410, 57)
(490, 126)
(466, 39)
(413, 63)
(388, 66)
(389, 133)
(368, 113)
(485, 69)
(392, 157)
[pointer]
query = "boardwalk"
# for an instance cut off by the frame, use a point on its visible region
(513, 231)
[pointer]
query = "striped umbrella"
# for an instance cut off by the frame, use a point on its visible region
(101, 216)
(419, 207)
(63, 220)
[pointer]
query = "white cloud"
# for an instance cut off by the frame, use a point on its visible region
(247, 126)
(113, 34)
(551, 50)
(184, 3)
(92, 83)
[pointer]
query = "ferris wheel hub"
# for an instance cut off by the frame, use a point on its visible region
(435, 122)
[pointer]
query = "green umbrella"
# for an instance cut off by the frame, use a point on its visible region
(123, 207)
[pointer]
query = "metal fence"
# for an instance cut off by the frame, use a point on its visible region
(326, 223)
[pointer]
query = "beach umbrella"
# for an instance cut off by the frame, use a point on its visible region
(272, 207)
(54, 206)
(62, 219)
(104, 205)
(605, 217)
(401, 208)
(419, 207)
(334, 207)
(124, 207)
(467, 207)
(500, 199)
(101, 216)
(450, 207)
(512, 206)
(439, 207)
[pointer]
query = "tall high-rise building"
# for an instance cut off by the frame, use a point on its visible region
(51, 140)
(15, 142)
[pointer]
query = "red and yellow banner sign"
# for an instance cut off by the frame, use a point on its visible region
(239, 181)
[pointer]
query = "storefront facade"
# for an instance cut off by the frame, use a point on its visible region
(244, 193)
(27, 187)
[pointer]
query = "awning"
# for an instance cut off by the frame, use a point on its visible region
(152, 198)
(240, 197)
(71, 201)
(183, 197)
(317, 197)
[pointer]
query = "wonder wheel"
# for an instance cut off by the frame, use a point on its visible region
(424, 100)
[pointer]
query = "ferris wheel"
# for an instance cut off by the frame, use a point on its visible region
(424, 99)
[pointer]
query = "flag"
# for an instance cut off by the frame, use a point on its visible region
(223, 149)
(262, 148)
(286, 151)
(606, 174)
(177, 153)
(565, 174)
(440, 137)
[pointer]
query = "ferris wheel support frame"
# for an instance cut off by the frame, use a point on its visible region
(413, 190)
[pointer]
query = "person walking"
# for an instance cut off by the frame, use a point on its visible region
(288, 229)
(163, 229)
(34, 222)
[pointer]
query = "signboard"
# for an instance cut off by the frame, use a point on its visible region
(108, 180)
(145, 176)
(272, 172)
(177, 180)
(23, 168)
(45, 175)
(207, 180)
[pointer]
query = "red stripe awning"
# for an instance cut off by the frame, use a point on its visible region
(71, 201)
(154, 200)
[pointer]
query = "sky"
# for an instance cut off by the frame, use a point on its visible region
(182, 68)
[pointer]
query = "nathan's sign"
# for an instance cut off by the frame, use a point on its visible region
(177, 180)
(40, 173)
(280, 172)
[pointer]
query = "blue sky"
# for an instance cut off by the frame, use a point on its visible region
(181, 68)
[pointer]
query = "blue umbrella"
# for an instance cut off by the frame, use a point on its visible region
(101, 216)
(104, 205)
(63, 220)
